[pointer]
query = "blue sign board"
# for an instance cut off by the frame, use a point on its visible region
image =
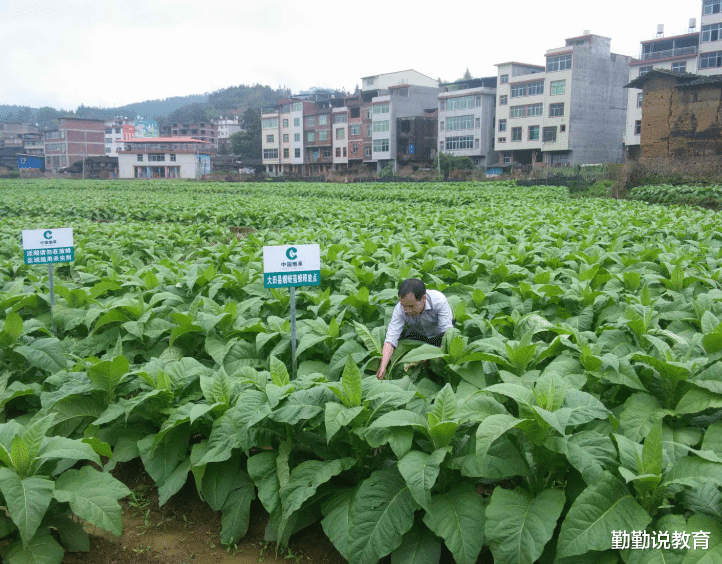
(30, 161)
(411, 148)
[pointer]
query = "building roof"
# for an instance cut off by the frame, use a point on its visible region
(164, 140)
(656, 39)
(680, 77)
(396, 72)
(521, 64)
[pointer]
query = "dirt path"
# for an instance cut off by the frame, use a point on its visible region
(186, 531)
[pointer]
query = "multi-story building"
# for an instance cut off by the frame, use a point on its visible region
(225, 128)
(164, 157)
(33, 144)
(114, 134)
(11, 134)
(74, 139)
(467, 110)
(570, 111)
(678, 54)
(392, 120)
(205, 131)
(695, 52)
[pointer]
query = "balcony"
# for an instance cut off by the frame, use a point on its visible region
(670, 53)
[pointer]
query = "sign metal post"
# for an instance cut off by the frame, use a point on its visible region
(48, 246)
(288, 266)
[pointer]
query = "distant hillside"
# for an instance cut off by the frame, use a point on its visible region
(232, 100)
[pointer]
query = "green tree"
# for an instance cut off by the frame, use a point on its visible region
(451, 162)
(247, 143)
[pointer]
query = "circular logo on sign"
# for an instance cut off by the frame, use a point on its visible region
(292, 253)
(48, 234)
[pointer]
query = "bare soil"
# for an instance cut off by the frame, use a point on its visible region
(186, 531)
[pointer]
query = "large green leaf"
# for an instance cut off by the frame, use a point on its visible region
(518, 525)
(491, 428)
(337, 520)
(641, 412)
(236, 511)
(45, 353)
(42, 549)
(161, 461)
(420, 471)
(382, 511)
(604, 506)
(107, 374)
(27, 500)
(337, 416)
(419, 546)
(93, 496)
(458, 517)
(351, 381)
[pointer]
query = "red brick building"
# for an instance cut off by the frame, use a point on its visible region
(74, 139)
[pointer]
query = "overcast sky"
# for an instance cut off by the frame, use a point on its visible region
(108, 53)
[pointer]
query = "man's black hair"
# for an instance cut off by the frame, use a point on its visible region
(412, 286)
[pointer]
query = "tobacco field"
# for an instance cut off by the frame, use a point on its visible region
(577, 397)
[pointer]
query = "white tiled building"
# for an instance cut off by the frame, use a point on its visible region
(466, 119)
(570, 111)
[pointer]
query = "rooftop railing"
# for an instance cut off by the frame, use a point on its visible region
(669, 53)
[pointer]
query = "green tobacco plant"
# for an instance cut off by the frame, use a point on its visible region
(42, 493)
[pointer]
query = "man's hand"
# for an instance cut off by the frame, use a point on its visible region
(388, 350)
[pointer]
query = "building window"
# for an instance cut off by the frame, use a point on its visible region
(517, 112)
(644, 70)
(296, 122)
(323, 119)
(501, 140)
(354, 148)
(310, 120)
(381, 109)
(367, 151)
(557, 87)
(535, 88)
(140, 158)
(441, 125)
(297, 137)
(381, 145)
(549, 134)
(502, 125)
(460, 103)
(316, 154)
(518, 90)
(711, 32)
(556, 110)
(344, 151)
(516, 133)
(355, 112)
(381, 126)
(268, 123)
(269, 138)
(711, 7)
(503, 100)
(533, 132)
(459, 143)
(639, 99)
(354, 130)
(270, 153)
(679, 67)
(285, 153)
(478, 101)
(477, 123)
(297, 107)
(507, 159)
(172, 157)
(562, 128)
(638, 127)
(503, 79)
(310, 136)
(285, 138)
(323, 135)
(710, 60)
(297, 153)
(534, 110)
(368, 131)
(285, 123)
(338, 151)
(476, 143)
(340, 118)
(458, 123)
(341, 133)
(559, 63)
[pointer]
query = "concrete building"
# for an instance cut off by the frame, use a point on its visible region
(392, 120)
(164, 157)
(205, 131)
(467, 109)
(226, 127)
(74, 139)
(710, 38)
(13, 134)
(570, 111)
